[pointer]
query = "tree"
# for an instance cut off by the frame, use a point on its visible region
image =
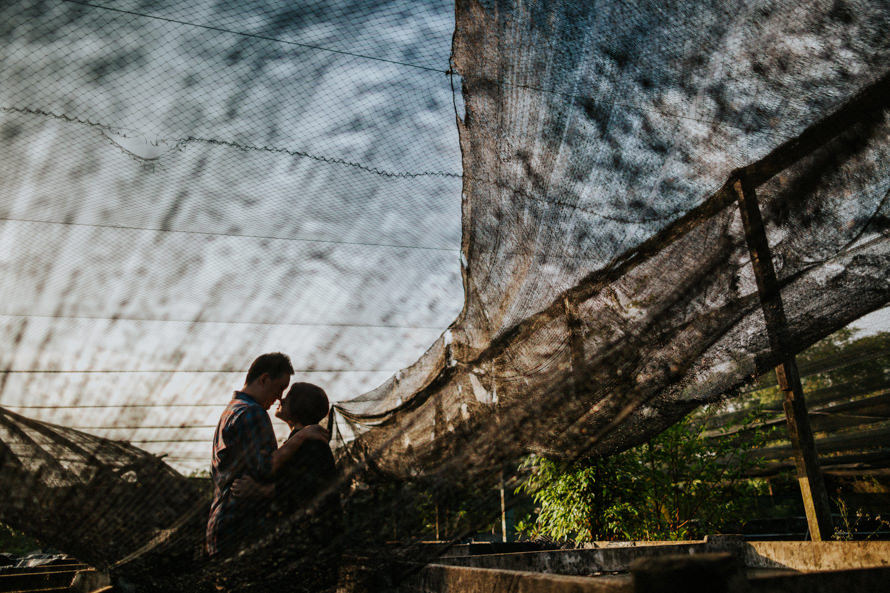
(679, 485)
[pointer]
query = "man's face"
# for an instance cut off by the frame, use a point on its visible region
(270, 389)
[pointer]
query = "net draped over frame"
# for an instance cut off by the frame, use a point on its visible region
(608, 282)
(608, 288)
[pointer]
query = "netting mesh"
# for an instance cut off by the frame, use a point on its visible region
(184, 188)
(85, 494)
(591, 281)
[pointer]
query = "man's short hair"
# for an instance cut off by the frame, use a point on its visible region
(274, 363)
(307, 403)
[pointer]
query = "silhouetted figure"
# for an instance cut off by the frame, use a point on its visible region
(302, 482)
(305, 518)
(244, 445)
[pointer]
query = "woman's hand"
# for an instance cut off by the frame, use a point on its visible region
(247, 487)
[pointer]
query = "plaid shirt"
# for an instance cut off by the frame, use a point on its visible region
(242, 445)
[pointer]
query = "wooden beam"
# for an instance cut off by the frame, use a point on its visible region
(809, 476)
(576, 342)
(848, 443)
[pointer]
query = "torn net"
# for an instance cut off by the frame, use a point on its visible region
(607, 282)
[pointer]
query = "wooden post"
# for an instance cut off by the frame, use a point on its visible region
(503, 510)
(576, 342)
(809, 476)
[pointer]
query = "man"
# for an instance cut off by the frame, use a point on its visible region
(244, 445)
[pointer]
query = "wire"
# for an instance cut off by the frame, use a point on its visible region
(157, 427)
(167, 371)
(316, 157)
(148, 441)
(254, 36)
(238, 235)
(191, 321)
(85, 406)
(427, 68)
(181, 142)
(164, 405)
(516, 191)
(367, 168)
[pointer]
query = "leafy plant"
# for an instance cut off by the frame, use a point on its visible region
(853, 526)
(15, 542)
(682, 484)
(690, 480)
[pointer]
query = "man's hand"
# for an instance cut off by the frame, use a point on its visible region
(247, 487)
(314, 432)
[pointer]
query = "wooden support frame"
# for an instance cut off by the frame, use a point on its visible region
(809, 475)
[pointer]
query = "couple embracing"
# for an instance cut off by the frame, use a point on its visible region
(255, 482)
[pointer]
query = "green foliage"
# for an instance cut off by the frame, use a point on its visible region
(689, 481)
(680, 485)
(15, 542)
(378, 508)
(457, 510)
(202, 473)
(839, 362)
(855, 526)
(580, 500)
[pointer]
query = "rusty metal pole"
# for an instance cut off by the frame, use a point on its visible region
(809, 475)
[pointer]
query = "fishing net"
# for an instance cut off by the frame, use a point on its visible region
(185, 188)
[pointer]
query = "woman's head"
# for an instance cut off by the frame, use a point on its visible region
(304, 404)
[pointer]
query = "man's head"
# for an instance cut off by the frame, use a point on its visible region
(304, 404)
(268, 377)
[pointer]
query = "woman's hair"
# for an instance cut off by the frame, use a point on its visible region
(307, 403)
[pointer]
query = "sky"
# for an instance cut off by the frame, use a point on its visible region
(874, 322)
(187, 187)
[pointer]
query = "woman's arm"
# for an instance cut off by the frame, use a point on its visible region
(313, 432)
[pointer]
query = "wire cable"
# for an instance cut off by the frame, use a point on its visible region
(254, 36)
(236, 235)
(417, 66)
(236, 322)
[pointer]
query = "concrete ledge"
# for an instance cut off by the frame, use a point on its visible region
(575, 562)
(687, 573)
(438, 578)
(869, 580)
(90, 581)
(37, 578)
(813, 556)
(690, 573)
(792, 555)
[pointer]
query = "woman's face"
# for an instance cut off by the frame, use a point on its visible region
(282, 410)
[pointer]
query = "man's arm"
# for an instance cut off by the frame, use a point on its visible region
(254, 441)
(283, 454)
